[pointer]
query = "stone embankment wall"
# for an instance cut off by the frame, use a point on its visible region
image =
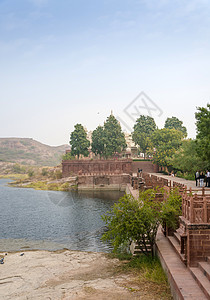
(101, 182)
(96, 167)
(123, 166)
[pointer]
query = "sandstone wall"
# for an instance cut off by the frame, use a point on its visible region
(93, 167)
(146, 166)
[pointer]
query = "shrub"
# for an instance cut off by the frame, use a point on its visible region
(172, 209)
(30, 173)
(44, 172)
(136, 220)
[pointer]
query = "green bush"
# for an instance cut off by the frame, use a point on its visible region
(138, 219)
(30, 173)
(172, 209)
(134, 219)
(53, 187)
(64, 187)
(18, 169)
(44, 172)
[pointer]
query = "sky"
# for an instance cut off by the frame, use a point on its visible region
(74, 61)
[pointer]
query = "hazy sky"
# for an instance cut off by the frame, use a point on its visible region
(73, 61)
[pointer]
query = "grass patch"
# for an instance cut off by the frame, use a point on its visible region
(14, 176)
(38, 185)
(43, 185)
(148, 273)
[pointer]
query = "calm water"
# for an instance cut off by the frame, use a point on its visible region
(31, 219)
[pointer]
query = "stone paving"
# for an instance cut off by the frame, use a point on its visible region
(188, 183)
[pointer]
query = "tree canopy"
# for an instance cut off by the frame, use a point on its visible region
(186, 159)
(97, 144)
(143, 129)
(79, 142)
(114, 138)
(68, 156)
(175, 123)
(203, 133)
(166, 142)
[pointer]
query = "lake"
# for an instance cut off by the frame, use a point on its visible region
(50, 220)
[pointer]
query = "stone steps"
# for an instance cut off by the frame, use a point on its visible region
(201, 280)
(135, 249)
(182, 282)
(176, 245)
(177, 236)
(201, 274)
(204, 266)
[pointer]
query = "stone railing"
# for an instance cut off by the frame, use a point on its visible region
(196, 208)
(154, 181)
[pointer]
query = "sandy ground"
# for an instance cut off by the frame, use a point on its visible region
(64, 275)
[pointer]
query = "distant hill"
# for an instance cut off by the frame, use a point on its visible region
(30, 152)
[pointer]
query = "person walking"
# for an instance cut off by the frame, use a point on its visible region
(207, 179)
(202, 177)
(197, 176)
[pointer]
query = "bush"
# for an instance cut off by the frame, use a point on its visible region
(134, 220)
(30, 173)
(53, 187)
(44, 172)
(18, 169)
(64, 187)
(172, 209)
(58, 174)
(138, 219)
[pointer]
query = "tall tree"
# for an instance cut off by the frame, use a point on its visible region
(79, 142)
(98, 141)
(114, 138)
(175, 123)
(143, 129)
(203, 133)
(166, 142)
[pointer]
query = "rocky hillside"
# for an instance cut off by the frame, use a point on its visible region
(30, 152)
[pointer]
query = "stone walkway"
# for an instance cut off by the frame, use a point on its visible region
(188, 183)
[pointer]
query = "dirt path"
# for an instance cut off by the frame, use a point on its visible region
(66, 275)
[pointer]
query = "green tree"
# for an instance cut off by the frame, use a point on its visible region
(175, 123)
(79, 142)
(68, 156)
(143, 129)
(114, 138)
(186, 159)
(166, 142)
(98, 141)
(203, 133)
